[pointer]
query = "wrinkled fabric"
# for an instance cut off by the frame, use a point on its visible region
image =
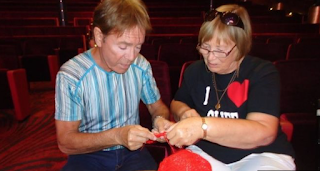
(184, 160)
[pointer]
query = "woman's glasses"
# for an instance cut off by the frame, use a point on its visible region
(218, 54)
(227, 18)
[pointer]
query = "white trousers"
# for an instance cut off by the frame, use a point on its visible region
(252, 162)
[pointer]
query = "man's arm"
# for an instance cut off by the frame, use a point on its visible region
(160, 115)
(71, 141)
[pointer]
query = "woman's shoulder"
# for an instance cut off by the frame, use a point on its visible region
(256, 67)
(195, 66)
(256, 63)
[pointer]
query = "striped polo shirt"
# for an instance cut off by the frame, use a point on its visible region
(102, 100)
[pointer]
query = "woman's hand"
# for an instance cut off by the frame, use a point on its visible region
(185, 132)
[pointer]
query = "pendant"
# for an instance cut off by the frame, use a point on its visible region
(217, 106)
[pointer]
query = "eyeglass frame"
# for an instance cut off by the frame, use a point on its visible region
(213, 51)
(212, 14)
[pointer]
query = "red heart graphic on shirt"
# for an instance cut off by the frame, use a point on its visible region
(238, 93)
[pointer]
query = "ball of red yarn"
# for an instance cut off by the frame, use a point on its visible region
(184, 160)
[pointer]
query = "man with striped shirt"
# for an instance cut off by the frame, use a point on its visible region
(98, 94)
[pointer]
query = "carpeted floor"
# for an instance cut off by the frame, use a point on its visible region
(31, 144)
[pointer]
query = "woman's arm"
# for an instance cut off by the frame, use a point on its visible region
(258, 129)
(182, 111)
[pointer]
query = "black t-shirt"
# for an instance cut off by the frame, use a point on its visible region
(256, 89)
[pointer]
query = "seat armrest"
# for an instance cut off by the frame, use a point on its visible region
(287, 126)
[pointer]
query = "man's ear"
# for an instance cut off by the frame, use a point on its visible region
(98, 36)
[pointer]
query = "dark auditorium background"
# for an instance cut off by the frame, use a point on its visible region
(38, 36)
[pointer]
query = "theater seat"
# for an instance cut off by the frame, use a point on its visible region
(149, 51)
(269, 51)
(183, 68)
(303, 50)
(299, 95)
(175, 54)
(286, 126)
(299, 84)
(14, 92)
(40, 67)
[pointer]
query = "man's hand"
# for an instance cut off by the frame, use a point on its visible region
(134, 136)
(161, 125)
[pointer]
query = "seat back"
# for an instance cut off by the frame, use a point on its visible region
(175, 54)
(14, 92)
(183, 68)
(300, 80)
(8, 57)
(309, 39)
(303, 50)
(287, 40)
(269, 51)
(36, 66)
(40, 67)
(5, 98)
(149, 51)
(39, 47)
(161, 74)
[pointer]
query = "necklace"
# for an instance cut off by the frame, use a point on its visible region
(218, 105)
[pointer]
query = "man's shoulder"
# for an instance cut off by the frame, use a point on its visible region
(141, 63)
(77, 66)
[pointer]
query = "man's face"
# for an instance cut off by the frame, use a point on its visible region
(118, 52)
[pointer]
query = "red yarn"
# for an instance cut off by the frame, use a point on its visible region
(184, 160)
(181, 159)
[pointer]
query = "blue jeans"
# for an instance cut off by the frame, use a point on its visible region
(116, 160)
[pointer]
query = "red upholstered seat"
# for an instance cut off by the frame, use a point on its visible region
(309, 39)
(183, 68)
(9, 57)
(40, 67)
(14, 92)
(149, 51)
(175, 54)
(269, 51)
(285, 40)
(303, 50)
(300, 80)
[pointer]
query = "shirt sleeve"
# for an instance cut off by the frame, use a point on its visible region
(68, 106)
(150, 92)
(264, 91)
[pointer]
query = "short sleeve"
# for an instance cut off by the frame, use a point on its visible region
(68, 106)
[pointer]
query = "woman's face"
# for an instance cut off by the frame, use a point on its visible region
(219, 57)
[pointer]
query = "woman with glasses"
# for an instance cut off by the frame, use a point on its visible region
(227, 107)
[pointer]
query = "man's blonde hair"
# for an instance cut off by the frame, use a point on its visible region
(119, 15)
